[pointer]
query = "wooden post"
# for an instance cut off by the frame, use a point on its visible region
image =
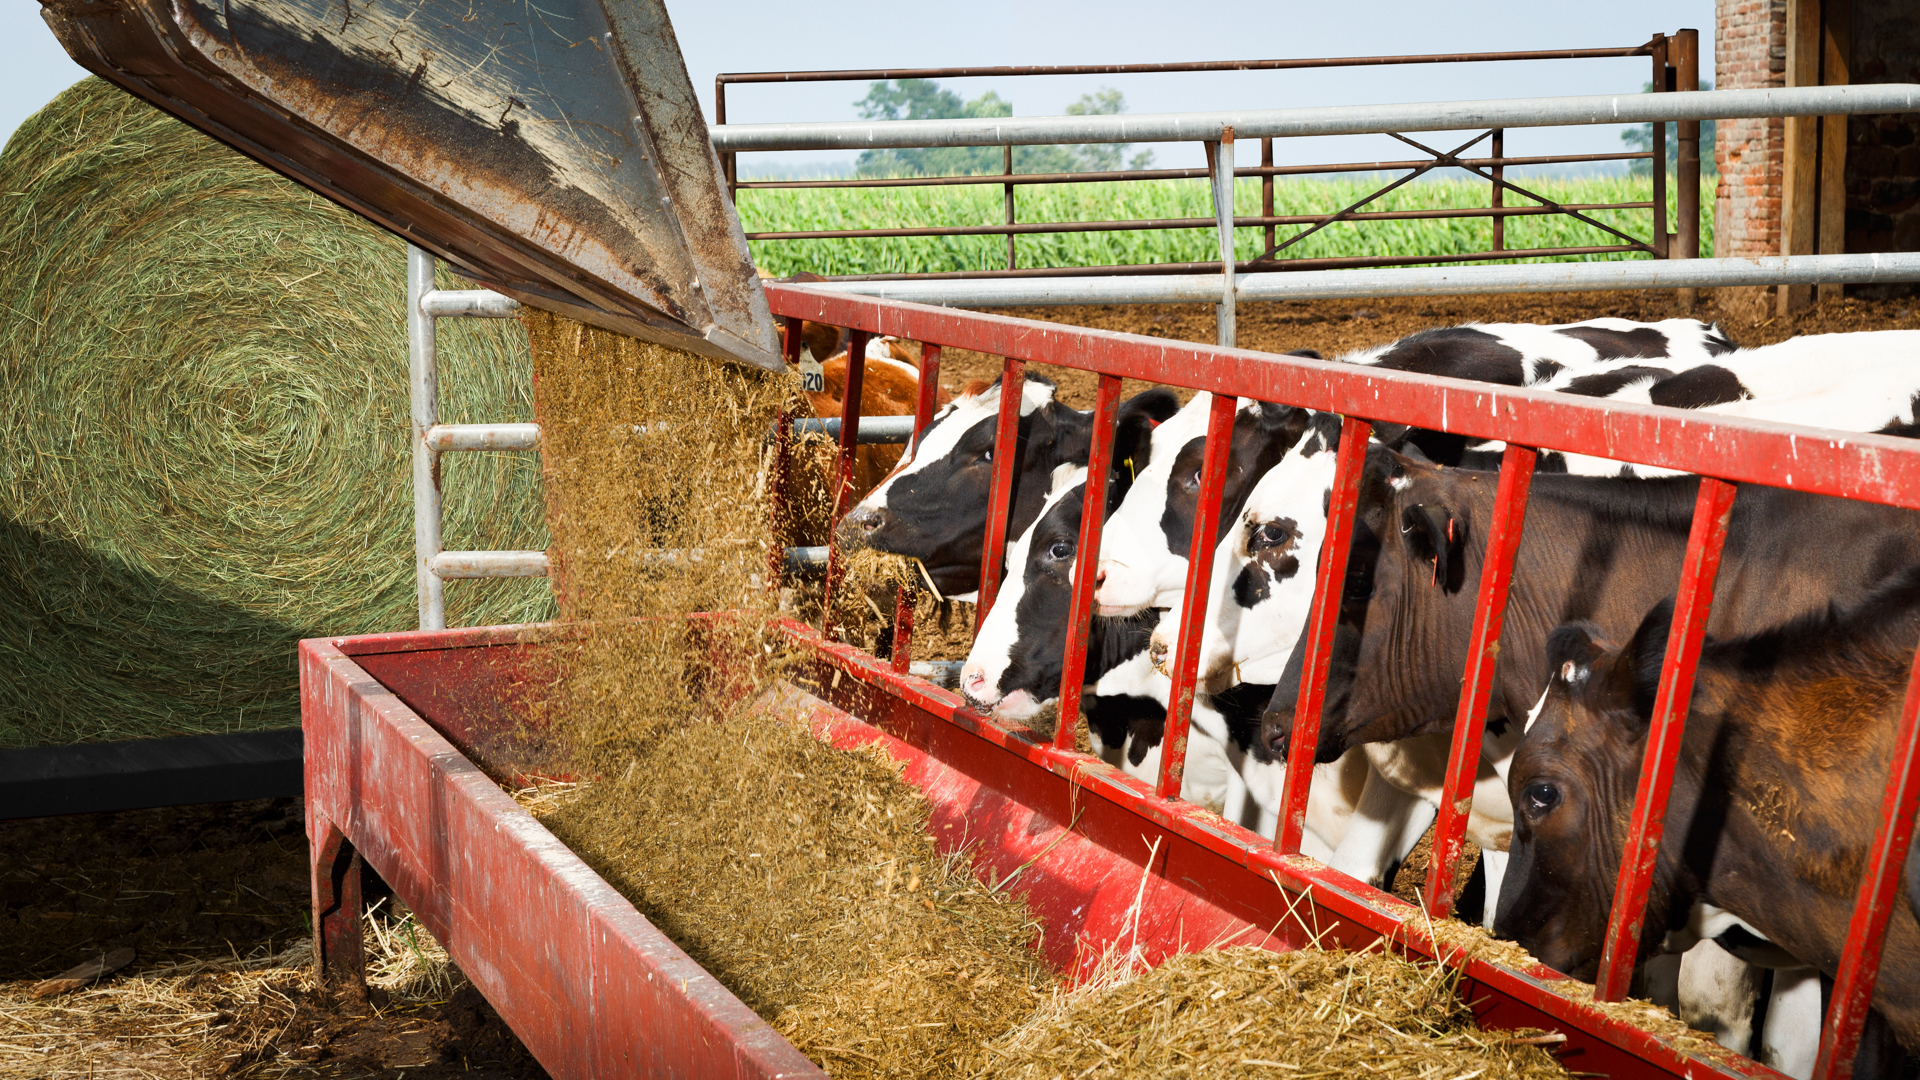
(1799, 192)
(1836, 38)
(1685, 55)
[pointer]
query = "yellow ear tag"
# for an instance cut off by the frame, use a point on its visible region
(1129, 464)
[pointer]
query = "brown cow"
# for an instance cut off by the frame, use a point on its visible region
(1595, 548)
(1775, 801)
(890, 386)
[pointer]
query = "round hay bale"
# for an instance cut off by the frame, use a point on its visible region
(204, 432)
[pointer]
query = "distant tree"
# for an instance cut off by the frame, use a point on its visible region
(1640, 140)
(923, 99)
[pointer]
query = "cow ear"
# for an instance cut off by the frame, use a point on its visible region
(1155, 405)
(1572, 651)
(1436, 535)
(1636, 671)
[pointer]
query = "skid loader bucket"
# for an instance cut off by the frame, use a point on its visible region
(553, 152)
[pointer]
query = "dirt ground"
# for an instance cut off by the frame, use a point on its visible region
(1334, 327)
(213, 900)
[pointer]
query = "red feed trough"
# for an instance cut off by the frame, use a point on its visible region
(399, 728)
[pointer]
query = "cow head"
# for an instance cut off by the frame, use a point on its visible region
(1263, 569)
(1015, 665)
(1572, 783)
(934, 508)
(1143, 553)
(1416, 542)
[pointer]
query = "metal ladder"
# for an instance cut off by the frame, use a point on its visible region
(432, 566)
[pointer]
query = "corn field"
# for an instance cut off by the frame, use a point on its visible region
(781, 210)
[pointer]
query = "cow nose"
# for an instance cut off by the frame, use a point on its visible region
(1276, 730)
(973, 684)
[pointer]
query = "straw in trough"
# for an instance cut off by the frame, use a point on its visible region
(204, 432)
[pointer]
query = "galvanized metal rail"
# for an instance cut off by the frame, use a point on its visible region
(1724, 451)
(432, 565)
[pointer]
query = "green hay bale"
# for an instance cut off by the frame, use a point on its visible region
(203, 432)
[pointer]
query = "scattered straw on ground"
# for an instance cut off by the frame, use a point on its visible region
(804, 879)
(204, 441)
(263, 1016)
(1249, 1012)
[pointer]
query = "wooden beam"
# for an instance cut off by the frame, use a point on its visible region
(1836, 17)
(1799, 192)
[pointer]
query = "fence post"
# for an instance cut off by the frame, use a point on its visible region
(728, 161)
(1220, 164)
(1661, 74)
(1686, 69)
(423, 376)
(1266, 194)
(1499, 193)
(1011, 264)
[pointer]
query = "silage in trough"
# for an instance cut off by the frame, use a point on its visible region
(204, 432)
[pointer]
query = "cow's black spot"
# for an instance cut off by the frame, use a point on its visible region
(1251, 587)
(1544, 369)
(1608, 383)
(1698, 387)
(1459, 351)
(1272, 560)
(1138, 723)
(1641, 343)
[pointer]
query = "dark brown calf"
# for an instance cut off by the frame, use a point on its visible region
(1597, 549)
(1775, 798)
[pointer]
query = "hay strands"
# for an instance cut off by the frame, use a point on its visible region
(83, 974)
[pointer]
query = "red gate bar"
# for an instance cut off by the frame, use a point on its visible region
(777, 531)
(1463, 761)
(1343, 500)
(1006, 445)
(1086, 559)
(1876, 468)
(1879, 886)
(1692, 606)
(923, 409)
(843, 485)
(1869, 467)
(1193, 602)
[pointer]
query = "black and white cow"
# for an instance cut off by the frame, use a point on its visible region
(1357, 821)
(934, 507)
(1143, 557)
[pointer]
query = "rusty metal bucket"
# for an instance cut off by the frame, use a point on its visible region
(557, 154)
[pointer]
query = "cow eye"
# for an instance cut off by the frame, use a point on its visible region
(1061, 550)
(1539, 797)
(1267, 536)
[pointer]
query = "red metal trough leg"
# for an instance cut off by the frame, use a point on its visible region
(1006, 446)
(1463, 762)
(1086, 559)
(1692, 606)
(1879, 894)
(1193, 603)
(1342, 501)
(339, 950)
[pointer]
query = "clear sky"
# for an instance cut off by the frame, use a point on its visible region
(759, 35)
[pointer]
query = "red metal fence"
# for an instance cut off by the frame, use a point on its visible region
(1724, 451)
(1675, 62)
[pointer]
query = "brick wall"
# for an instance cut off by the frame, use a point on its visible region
(1750, 52)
